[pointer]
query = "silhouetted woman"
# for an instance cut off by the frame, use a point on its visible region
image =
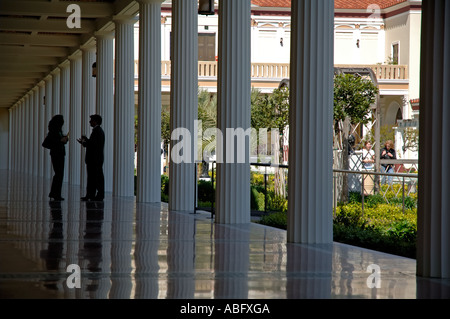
(57, 145)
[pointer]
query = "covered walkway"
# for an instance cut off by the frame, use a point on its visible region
(130, 250)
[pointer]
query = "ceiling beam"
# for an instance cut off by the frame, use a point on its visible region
(7, 50)
(27, 67)
(54, 9)
(40, 39)
(29, 60)
(49, 25)
(21, 75)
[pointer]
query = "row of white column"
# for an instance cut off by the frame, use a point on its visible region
(310, 153)
(71, 90)
(61, 92)
(310, 115)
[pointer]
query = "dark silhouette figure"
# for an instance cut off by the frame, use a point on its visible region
(56, 141)
(95, 189)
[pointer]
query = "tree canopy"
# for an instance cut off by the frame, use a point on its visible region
(353, 97)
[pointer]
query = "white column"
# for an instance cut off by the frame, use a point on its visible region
(433, 214)
(123, 166)
(56, 91)
(14, 142)
(23, 136)
(149, 109)
(88, 92)
(36, 141)
(183, 103)
(10, 137)
(48, 116)
(27, 128)
(310, 123)
(233, 112)
(42, 128)
(65, 111)
(105, 99)
(19, 154)
(75, 119)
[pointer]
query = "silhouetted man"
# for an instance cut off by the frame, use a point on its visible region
(95, 144)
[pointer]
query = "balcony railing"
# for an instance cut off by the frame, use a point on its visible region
(209, 69)
(383, 71)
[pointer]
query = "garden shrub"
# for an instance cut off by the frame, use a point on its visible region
(256, 199)
(277, 220)
(205, 191)
(277, 203)
(381, 227)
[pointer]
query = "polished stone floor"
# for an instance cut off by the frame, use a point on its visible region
(120, 249)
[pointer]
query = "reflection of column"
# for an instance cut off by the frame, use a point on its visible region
(148, 221)
(75, 118)
(231, 262)
(183, 102)
(429, 288)
(54, 252)
(91, 251)
(123, 166)
(104, 282)
(311, 113)
(105, 99)
(433, 218)
(73, 233)
(233, 112)
(149, 134)
(121, 245)
(308, 271)
(181, 257)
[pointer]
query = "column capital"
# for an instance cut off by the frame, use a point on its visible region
(64, 65)
(56, 71)
(150, 1)
(76, 56)
(91, 46)
(104, 34)
(125, 19)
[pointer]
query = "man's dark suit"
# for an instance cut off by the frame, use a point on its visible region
(94, 164)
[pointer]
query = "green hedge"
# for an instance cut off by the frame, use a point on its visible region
(382, 227)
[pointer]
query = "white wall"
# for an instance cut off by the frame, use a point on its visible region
(398, 31)
(414, 54)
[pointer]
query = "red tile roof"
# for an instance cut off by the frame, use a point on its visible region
(338, 4)
(364, 4)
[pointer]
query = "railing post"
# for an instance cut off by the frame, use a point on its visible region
(362, 195)
(334, 195)
(265, 189)
(214, 192)
(403, 194)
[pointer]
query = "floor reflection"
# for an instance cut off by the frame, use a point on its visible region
(130, 250)
(53, 255)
